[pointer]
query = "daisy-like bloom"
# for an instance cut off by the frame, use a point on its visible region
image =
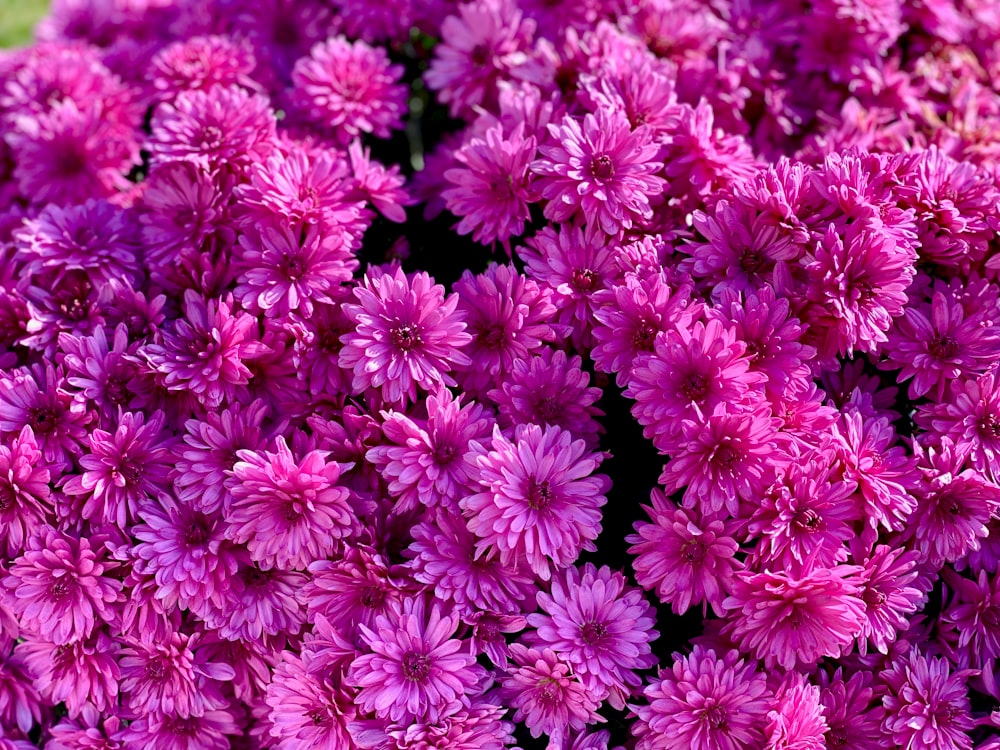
(123, 469)
(600, 626)
(58, 589)
(480, 727)
(56, 305)
(424, 463)
(200, 63)
(38, 398)
(851, 711)
(546, 695)
(927, 705)
(486, 41)
(857, 284)
(885, 475)
(289, 511)
(306, 707)
(601, 169)
(685, 562)
(349, 89)
(83, 673)
(691, 371)
(973, 612)
(445, 557)
(540, 500)
(214, 128)
(508, 316)
(407, 334)
(260, 604)
(935, 343)
(795, 621)
(100, 369)
(971, 418)
(723, 459)
(206, 352)
(704, 702)
(186, 553)
(24, 491)
(317, 345)
(414, 669)
(170, 676)
(211, 731)
(491, 185)
(954, 506)
(631, 314)
(796, 722)
(550, 389)
(287, 268)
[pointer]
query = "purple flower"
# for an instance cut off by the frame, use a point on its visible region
(24, 491)
(796, 722)
(306, 708)
(200, 63)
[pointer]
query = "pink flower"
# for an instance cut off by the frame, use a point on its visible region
(58, 588)
(24, 491)
(407, 335)
(306, 708)
(852, 711)
(546, 696)
(211, 731)
(600, 168)
(972, 612)
(600, 626)
(540, 500)
(685, 562)
(200, 63)
(971, 418)
(796, 722)
(478, 728)
(288, 511)
(260, 604)
(704, 702)
(415, 669)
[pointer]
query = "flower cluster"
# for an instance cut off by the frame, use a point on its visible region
(342, 341)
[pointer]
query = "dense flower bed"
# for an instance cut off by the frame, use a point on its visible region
(413, 374)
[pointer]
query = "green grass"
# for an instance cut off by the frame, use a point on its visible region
(18, 19)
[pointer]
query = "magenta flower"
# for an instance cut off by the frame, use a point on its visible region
(289, 511)
(260, 604)
(101, 369)
(797, 719)
(414, 668)
(540, 500)
(211, 731)
(971, 418)
(478, 728)
(704, 702)
(200, 63)
(306, 708)
(83, 673)
(59, 590)
(600, 626)
(24, 491)
(685, 562)
(601, 169)
(851, 710)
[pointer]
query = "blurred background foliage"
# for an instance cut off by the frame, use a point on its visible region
(18, 19)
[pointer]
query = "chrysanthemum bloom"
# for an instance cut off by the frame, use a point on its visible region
(704, 702)
(203, 468)
(796, 722)
(414, 669)
(971, 418)
(691, 371)
(408, 334)
(934, 343)
(260, 604)
(723, 459)
(349, 88)
(83, 674)
(187, 554)
(285, 268)
(38, 398)
(70, 153)
(954, 506)
(171, 677)
(377, 184)
(629, 316)
(927, 705)
(852, 710)
(100, 368)
(575, 264)
(857, 284)
(485, 42)
(211, 731)
(200, 63)
(389, 21)
(58, 588)
(546, 695)
(795, 621)
(508, 316)
(355, 588)
(973, 613)
(24, 491)
(56, 305)
(491, 185)
(289, 511)
(123, 469)
(20, 704)
(220, 126)
(488, 637)
(685, 562)
(306, 709)
(549, 389)
(425, 464)
(540, 500)
(480, 727)
(95, 236)
(206, 352)
(94, 734)
(600, 169)
(600, 626)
